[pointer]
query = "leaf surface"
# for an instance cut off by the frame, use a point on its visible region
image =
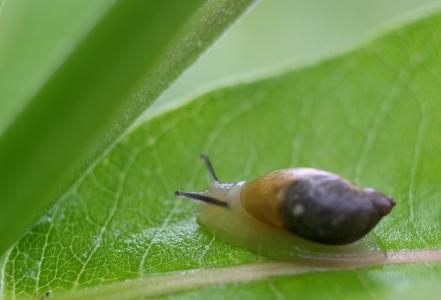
(371, 115)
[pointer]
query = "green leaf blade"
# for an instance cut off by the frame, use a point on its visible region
(32, 47)
(134, 51)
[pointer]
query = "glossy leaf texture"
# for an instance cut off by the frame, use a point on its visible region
(371, 115)
(75, 75)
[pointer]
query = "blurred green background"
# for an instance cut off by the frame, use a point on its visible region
(279, 34)
(274, 34)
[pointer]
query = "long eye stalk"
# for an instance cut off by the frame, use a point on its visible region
(202, 197)
(209, 166)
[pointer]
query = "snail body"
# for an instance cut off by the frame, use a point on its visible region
(298, 213)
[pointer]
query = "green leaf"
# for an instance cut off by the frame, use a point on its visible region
(74, 80)
(371, 115)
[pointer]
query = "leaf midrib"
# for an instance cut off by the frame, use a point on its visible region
(174, 282)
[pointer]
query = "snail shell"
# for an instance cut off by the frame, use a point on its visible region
(317, 205)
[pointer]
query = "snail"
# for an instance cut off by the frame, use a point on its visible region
(295, 214)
